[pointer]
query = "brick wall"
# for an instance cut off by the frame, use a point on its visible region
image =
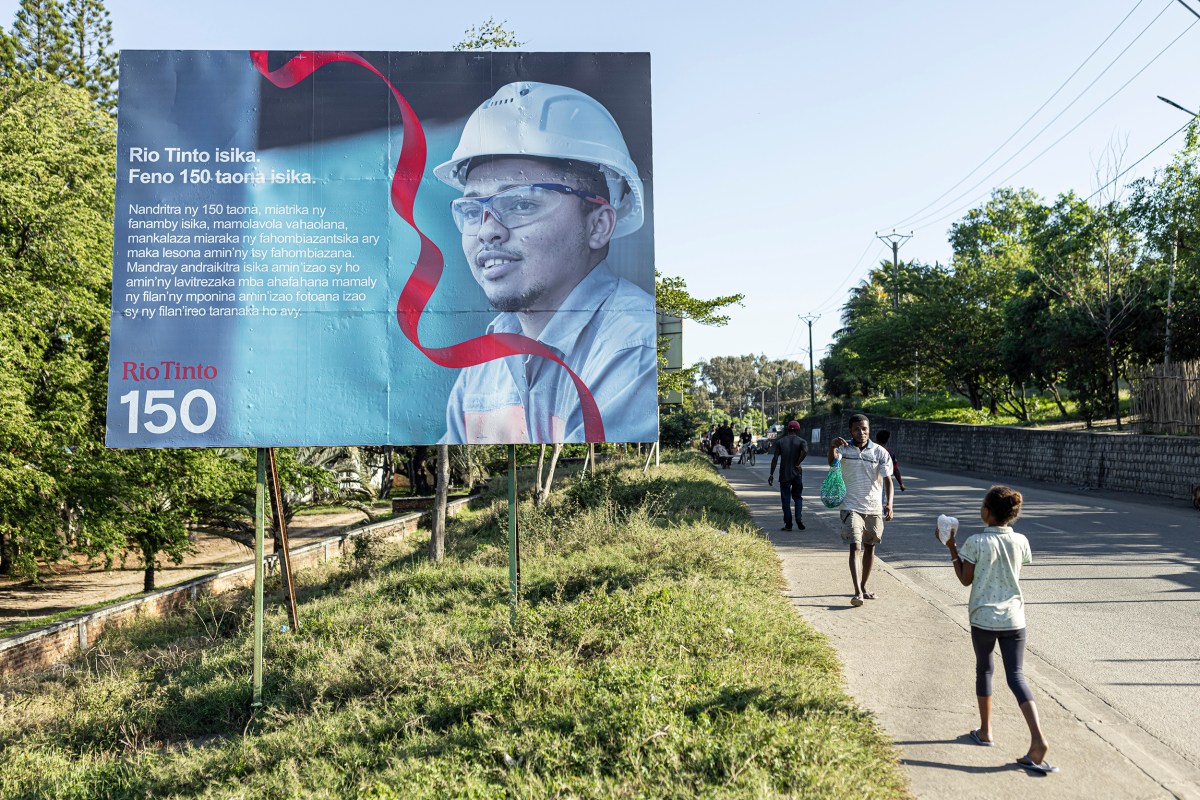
(42, 647)
(1165, 466)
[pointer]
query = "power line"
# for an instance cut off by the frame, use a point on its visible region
(824, 306)
(1055, 143)
(1032, 139)
(1020, 128)
(1140, 160)
(792, 338)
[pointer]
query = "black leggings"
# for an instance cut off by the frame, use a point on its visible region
(1012, 653)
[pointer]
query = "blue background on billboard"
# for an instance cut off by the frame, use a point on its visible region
(340, 372)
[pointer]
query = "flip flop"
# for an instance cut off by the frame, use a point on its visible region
(868, 595)
(856, 601)
(979, 741)
(1044, 767)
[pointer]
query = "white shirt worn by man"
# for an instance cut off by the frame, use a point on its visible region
(863, 472)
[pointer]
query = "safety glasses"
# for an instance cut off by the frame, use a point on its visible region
(512, 208)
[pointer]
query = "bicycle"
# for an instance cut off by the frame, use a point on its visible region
(748, 451)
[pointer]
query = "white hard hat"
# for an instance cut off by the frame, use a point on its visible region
(548, 121)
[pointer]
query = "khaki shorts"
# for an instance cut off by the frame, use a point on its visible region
(862, 529)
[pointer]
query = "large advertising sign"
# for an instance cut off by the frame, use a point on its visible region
(319, 248)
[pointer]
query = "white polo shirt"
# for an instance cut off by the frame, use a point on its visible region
(863, 472)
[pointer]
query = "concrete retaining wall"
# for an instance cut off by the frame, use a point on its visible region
(1165, 466)
(42, 647)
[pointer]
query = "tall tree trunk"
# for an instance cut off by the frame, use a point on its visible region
(1116, 385)
(1058, 401)
(437, 541)
(389, 469)
(543, 491)
(6, 557)
(422, 482)
(148, 578)
(537, 495)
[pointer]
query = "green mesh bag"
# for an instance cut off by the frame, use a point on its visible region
(833, 488)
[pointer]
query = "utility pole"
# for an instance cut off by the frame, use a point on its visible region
(895, 240)
(1175, 241)
(812, 381)
(1171, 291)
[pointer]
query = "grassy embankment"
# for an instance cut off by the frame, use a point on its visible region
(954, 408)
(654, 657)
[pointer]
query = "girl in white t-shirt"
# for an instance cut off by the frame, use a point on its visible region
(990, 563)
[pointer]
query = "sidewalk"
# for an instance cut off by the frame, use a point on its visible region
(907, 658)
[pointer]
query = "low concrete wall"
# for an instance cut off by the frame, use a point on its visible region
(1164, 466)
(42, 647)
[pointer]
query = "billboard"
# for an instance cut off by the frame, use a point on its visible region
(330, 247)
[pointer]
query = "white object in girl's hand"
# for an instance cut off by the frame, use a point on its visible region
(945, 524)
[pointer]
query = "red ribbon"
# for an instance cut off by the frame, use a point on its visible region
(425, 276)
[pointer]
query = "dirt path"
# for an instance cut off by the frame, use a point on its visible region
(75, 584)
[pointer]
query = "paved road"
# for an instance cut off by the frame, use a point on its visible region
(1113, 594)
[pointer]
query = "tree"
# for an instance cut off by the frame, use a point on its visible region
(671, 297)
(38, 41)
(56, 190)
(489, 35)
(1166, 209)
(159, 494)
(1088, 257)
(8, 55)
(89, 61)
(731, 379)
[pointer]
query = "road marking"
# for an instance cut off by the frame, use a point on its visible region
(1047, 527)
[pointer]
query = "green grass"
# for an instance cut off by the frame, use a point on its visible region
(49, 619)
(654, 657)
(955, 408)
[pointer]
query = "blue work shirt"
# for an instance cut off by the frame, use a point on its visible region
(605, 331)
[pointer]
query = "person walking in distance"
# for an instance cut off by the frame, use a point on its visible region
(867, 471)
(990, 563)
(791, 450)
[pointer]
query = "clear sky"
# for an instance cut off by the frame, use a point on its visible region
(787, 134)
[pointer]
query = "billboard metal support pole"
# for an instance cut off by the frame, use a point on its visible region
(260, 492)
(514, 555)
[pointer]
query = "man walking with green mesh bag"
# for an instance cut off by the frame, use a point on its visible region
(867, 471)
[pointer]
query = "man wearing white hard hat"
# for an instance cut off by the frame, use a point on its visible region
(547, 184)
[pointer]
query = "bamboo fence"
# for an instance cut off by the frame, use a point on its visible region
(1166, 398)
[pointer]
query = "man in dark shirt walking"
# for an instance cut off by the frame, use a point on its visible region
(791, 450)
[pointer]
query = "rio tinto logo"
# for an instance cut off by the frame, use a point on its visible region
(157, 410)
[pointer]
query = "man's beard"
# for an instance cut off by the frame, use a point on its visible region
(523, 301)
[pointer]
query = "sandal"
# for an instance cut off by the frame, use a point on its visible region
(1044, 767)
(979, 740)
(868, 595)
